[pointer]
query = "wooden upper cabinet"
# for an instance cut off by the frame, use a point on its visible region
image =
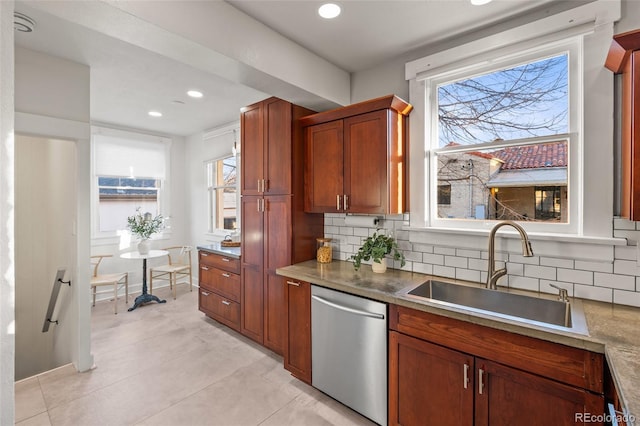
(356, 158)
(624, 58)
(266, 132)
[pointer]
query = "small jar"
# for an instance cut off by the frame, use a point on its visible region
(323, 250)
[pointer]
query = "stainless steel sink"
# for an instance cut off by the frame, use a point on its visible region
(553, 312)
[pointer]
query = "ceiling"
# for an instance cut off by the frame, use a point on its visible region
(127, 81)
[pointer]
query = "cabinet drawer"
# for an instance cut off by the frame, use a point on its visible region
(220, 308)
(559, 362)
(225, 283)
(226, 263)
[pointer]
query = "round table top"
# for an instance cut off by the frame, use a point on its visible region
(138, 255)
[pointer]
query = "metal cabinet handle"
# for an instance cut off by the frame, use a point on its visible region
(480, 381)
(338, 202)
(204, 293)
(224, 302)
(225, 259)
(204, 268)
(346, 202)
(258, 205)
(293, 283)
(466, 376)
(203, 254)
(265, 185)
(224, 274)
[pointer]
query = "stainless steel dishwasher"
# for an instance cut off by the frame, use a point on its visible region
(349, 350)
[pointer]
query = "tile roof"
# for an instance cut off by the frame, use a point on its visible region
(552, 154)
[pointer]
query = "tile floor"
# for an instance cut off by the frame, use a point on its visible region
(168, 364)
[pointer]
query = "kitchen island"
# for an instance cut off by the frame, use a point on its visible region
(611, 329)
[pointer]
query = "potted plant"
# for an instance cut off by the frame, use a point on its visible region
(377, 247)
(144, 226)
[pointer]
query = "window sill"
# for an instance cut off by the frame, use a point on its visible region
(576, 247)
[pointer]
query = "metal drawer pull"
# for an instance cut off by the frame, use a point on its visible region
(480, 380)
(224, 259)
(203, 254)
(346, 202)
(204, 268)
(224, 302)
(337, 202)
(293, 283)
(347, 309)
(204, 293)
(466, 376)
(224, 274)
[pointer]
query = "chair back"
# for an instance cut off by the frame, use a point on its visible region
(95, 262)
(179, 255)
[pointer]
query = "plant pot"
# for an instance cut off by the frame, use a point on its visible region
(143, 246)
(381, 267)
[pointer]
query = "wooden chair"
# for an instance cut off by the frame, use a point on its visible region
(179, 266)
(116, 280)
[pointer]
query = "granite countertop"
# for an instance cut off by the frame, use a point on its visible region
(218, 249)
(612, 329)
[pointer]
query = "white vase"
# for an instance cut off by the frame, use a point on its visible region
(381, 267)
(143, 246)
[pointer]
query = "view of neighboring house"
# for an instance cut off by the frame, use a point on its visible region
(527, 182)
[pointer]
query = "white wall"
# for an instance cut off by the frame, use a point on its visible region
(42, 83)
(198, 152)
(7, 277)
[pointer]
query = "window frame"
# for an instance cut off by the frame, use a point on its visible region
(122, 236)
(489, 62)
(211, 198)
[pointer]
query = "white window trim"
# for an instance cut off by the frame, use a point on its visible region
(164, 193)
(573, 49)
(219, 232)
(595, 23)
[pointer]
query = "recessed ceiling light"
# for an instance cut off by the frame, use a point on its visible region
(155, 113)
(194, 94)
(329, 10)
(480, 2)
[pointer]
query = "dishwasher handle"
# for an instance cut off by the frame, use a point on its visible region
(347, 309)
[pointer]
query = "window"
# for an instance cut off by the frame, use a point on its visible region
(500, 136)
(129, 173)
(222, 194)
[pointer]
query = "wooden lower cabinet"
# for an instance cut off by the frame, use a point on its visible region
(219, 294)
(297, 347)
(455, 379)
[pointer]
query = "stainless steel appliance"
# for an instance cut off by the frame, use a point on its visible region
(349, 350)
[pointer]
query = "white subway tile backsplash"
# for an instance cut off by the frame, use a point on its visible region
(475, 254)
(444, 271)
(573, 276)
(524, 283)
(535, 271)
(617, 281)
(434, 259)
(594, 293)
(515, 269)
(606, 267)
(449, 251)
(468, 275)
(556, 263)
(621, 282)
(626, 267)
(456, 262)
(629, 298)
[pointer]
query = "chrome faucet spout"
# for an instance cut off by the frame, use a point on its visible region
(493, 275)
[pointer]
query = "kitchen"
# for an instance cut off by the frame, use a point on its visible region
(441, 243)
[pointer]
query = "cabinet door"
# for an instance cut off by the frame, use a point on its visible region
(252, 148)
(252, 273)
(324, 168)
(365, 157)
(428, 384)
(277, 147)
(297, 350)
(277, 253)
(506, 397)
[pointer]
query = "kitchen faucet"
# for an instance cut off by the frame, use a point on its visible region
(527, 251)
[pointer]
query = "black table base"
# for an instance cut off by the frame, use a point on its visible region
(145, 297)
